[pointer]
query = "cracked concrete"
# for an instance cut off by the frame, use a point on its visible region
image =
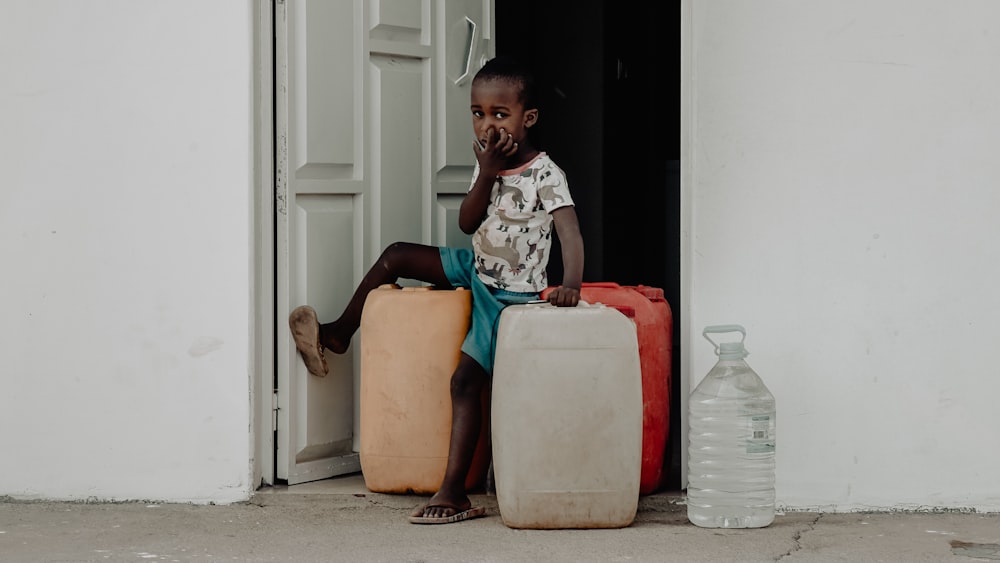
(798, 536)
(313, 523)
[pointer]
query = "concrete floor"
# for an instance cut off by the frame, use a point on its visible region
(339, 520)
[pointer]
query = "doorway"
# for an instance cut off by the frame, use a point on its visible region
(609, 89)
(600, 67)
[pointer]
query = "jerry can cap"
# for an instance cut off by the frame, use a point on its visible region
(727, 350)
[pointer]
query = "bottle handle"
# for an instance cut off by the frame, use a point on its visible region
(718, 329)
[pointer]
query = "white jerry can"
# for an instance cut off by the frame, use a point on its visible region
(567, 417)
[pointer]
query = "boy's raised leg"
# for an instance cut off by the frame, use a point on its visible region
(450, 503)
(398, 260)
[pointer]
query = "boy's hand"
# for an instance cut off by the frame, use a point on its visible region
(493, 151)
(564, 297)
(568, 229)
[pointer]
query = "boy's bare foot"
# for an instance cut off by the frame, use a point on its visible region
(305, 330)
(439, 511)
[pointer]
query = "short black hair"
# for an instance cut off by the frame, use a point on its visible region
(513, 72)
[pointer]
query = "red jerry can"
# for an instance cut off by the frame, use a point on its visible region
(654, 328)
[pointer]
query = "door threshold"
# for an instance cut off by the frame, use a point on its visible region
(350, 484)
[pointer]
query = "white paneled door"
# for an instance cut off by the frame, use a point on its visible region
(373, 145)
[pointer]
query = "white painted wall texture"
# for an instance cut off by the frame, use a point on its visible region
(125, 238)
(844, 200)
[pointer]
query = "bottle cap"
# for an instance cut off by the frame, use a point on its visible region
(731, 351)
(727, 350)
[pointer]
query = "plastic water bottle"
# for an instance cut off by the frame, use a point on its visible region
(731, 442)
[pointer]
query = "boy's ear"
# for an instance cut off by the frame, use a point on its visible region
(530, 117)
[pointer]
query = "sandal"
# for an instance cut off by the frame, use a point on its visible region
(305, 331)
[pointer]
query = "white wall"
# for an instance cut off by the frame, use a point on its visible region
(844, 200)
(125, 243)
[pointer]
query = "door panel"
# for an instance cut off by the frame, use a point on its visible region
(448, 233)
(321, 197)
(323, 49)
(373, 143)
(325, 239)
(399, 103)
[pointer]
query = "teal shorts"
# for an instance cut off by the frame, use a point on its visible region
(487, 302)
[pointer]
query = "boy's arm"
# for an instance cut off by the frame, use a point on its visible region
(491, 156)
(568, 229)
(473, 209)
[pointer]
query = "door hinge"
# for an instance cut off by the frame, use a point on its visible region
(274, 411)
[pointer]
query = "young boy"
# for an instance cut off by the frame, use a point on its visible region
(517, 194)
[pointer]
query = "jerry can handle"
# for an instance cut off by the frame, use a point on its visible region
(717, 329)
(581, 303)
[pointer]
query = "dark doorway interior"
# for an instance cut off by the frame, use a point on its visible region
(609, 85)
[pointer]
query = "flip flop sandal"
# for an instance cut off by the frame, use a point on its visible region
(473, 512)
(305, 331)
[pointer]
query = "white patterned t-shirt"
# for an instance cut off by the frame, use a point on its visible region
(512, 244)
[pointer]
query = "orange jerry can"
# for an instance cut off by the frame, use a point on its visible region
(411, 341)
(654, 328)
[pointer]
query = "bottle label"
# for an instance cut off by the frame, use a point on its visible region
(761, 441)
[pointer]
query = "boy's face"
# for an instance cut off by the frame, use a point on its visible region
(495, 106)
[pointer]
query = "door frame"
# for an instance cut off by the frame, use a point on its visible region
(262, 337)
(686, 212)
(263, 322)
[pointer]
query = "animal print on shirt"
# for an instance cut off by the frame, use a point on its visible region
(512, 244)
